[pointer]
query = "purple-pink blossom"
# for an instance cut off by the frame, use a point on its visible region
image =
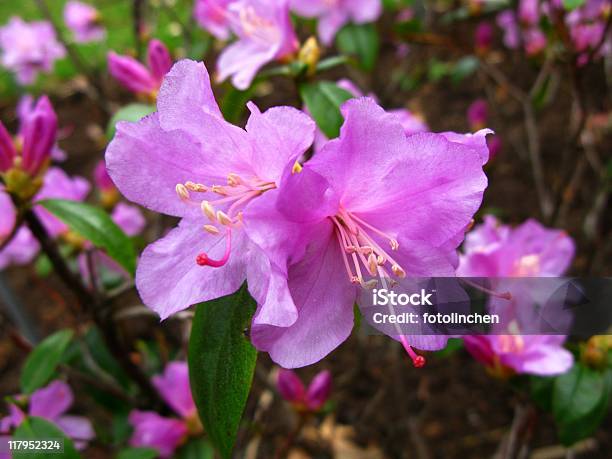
(529, 250)
(264, 32)
(483, 36)
(29, 48)
(84, 22)
(51, 402)
(164, 433)
(478, 114)
(292, 389)
(136, 77)
(185, 160)
(212, 15)
(338, 224)
(333, 14)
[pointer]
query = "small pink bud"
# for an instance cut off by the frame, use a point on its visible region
(318, 390)
(290, 386)
(39, 136)
(477, 114)
(495, 144)
(101, 177)
(131, 74)
(159, 59)
(7, 149)
(483, 36)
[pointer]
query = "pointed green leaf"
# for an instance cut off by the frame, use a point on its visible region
(221, 365)
(138, 453)
(323, 100)
(96, 226)
(360, 40)
(40, 365)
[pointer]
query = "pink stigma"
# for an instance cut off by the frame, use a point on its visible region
(418, 361)
(203, 260)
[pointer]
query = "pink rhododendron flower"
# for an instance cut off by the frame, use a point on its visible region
(84, 22)
(529, 250)
(25, 108)
(333, 14)
(373, 204)
(292, 389)
(264, 32)
(163, 433)
(535, 41)
(212, 15)
(51, 403)
(30, 152)
(186, 160)
(128, 218)
(29, 48)
(137, 78)
(23, 247)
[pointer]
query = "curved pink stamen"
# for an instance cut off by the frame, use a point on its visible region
(417, 360)
(203, 260)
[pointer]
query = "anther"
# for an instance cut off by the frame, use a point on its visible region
(398, 271)
(223, 218)
(219, 190)
(394, 244)
(372, 264)
(198, 187)
(380, 260)
(297, 168)
(355, 280)
(208, 210)
(211, 229)
(234, 180)
(182, 192)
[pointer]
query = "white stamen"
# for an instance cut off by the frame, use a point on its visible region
(182, 192)
(211, 229)
(223, 218)
(208, 210)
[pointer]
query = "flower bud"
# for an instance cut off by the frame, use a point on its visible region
(318, 390)
(131, 74)
(483, 37)
(39, 136)
(309, 54)
(477, 114)
(290, 386)
(7, 149)
(159, 59)
(101, 177)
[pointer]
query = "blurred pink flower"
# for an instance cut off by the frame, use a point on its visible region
(29, 48)
(212, 15)
(535, 41)
(292, 389)
(51, 403)
(333, 14)
(163, 433)
(529, 12)
(529, 250)
(84, 22)
(506, 20)
(265, 33)
(128, 218)
(101, 178)
(137, 78)
(23, 248)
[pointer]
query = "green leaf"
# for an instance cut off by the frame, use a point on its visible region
(463, 68)
(96, 226)
(221, 365)
(572, 4)
(131, 112)
(138, 453)
(40, 365)
(34, 428)
(196, 449)
(323, 100)
(580, 402)
(541, 389)
(234, 103)
(362, 41)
